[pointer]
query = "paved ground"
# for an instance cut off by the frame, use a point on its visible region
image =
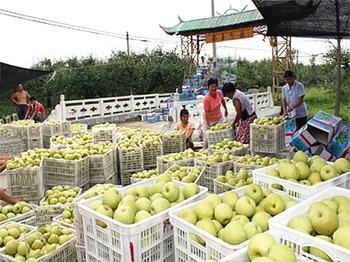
(138, 124)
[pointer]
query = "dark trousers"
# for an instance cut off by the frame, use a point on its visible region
(22, 110)
(300, 122)
(189, 144)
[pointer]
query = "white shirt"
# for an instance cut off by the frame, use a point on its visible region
(245, 104)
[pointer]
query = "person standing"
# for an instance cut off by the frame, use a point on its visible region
(245, 113)
(36, 111)
(293, 94)
(212, 103)
(20, 98)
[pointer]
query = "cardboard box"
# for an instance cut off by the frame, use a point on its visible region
(302, 139)
(288, 138)
(340, 144)
(323, 126)
(326, 155)
(290, 125)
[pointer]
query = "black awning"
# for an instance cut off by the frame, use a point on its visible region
(306, 18)
(11, 75)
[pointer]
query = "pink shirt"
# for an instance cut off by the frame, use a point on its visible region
(212, 105)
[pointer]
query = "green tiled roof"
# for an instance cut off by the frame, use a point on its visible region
(213, 24)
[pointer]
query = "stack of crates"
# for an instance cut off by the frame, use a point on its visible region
(101, 168)
(54, 128)
(30, 133)
(173, 142)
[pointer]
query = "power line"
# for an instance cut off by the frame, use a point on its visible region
(78, 28)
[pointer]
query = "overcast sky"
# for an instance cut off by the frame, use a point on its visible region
(24, 43)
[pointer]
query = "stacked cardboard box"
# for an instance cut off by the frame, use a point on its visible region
(323, 135)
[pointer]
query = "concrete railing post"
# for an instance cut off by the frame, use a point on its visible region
(62, 108)
(132, 103)
(157, 101)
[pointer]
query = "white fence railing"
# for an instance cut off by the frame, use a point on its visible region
(110, 106)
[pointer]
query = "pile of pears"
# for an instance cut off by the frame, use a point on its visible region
(96, 190)
(268, 121)
(218, 157)
(68, 215)
(142, 201)
(220, 126)
(78, 128)
(12, 231)
(145, 174)
(307, 171)
(60, 195)
(328, 220)
(10, 211)
(257, 160)
(181, 173)
(188, 153)
(42, 242)
(236, 219)
(226, 145)
(242, 178)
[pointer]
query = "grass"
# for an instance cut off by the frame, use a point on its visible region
(321, 98)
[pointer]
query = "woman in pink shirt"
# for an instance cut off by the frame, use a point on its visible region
(212, 107)
(212, 104)
(36, 111)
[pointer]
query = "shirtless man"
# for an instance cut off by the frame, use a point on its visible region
(20, 98)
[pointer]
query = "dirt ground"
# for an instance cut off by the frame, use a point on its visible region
(139, 124)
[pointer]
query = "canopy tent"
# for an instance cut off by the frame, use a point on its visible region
(11, 75)
(306, 18)
(309, 18)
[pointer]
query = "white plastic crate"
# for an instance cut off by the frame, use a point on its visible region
(101, 167)
(56, 129)
(267, 139)
(46, 213)
(110, 180)
(59, 146)
(298, 190)
(64, 253)
(237, 166)
(26, 183)
(147, 240)
(163, 164)
(214, 249)
(26, 219)
(150, 154)
(65, 172)
(173, 144)
(81, 253)
(242, 256)
(104, 134)
(130, 162)
(297, 240)
(216, 136)
(78, 129)
(212, 170)
(30, 228)
(11, 146)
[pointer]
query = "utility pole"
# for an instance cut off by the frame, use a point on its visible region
(127, 43)
(214, 44)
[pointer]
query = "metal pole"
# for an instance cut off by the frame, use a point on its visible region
(338, 58)
(127, 43)
(214, 44)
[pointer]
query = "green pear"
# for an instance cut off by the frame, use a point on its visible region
(230, 198)
(204, 210)
(11, 247)
(255, 192)
(141, 191)
(328, 172)
(317, 165)
(301, 224)
(241, 219)
(344, 218)
(342, 165)
(273, 204)
(314, 178)
(344, 207)
(259, 245)
(300, 156)
(245, 206)
(111, 198)
(207, 225)
(266, 191)
(159, 205)
(278, 251)
(272, 172)
(341, 236)
(217, 225)
(324, 221)
(171, 191)
(53, 239)
(304, 170)
(124, 214)
(341, 199)
(288, 171)
(190, 190)
(213, 199)
(141, 215)
(318, 252)
(331, 204)
(143, 203)
(261, 219)
(223, 213)
(104, 210)
(189, 215)
(234, 233)
(251, 229)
